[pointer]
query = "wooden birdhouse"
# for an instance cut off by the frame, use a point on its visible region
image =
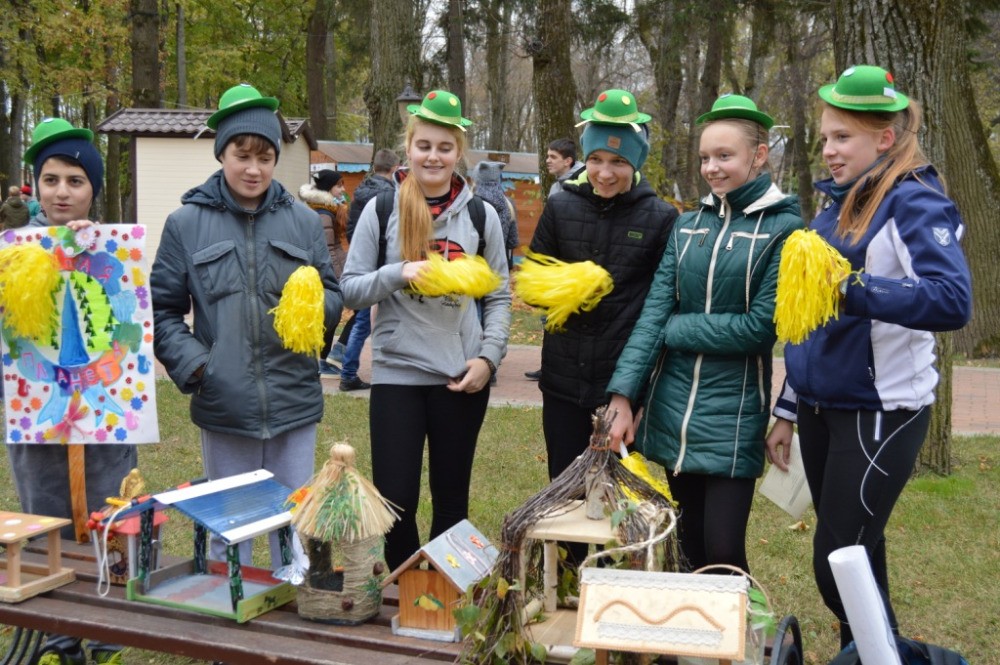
(236, 509)
(20, 580)
(432, 582)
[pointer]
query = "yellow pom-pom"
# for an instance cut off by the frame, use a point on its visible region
(298, 318)
(636, 463)
(561, 288)
(463, 276)
(29, 277)
(809, 278)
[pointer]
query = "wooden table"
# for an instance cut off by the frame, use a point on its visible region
(277, 636)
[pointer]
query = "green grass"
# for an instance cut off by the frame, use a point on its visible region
(944, 544)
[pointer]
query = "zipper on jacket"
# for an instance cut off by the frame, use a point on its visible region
(695, 377)
(745, 234)
(253, 289)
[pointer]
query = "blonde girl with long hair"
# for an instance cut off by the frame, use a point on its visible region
(861, 387)
(432, 358)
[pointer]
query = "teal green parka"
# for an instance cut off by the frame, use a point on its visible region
(702, 346)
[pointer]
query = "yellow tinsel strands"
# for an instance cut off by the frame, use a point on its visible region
(561, 288)
(636, 463)
(298, 318)
(29, 277)
(464, 276)
(809, 278)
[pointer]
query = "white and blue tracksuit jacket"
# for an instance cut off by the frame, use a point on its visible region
(879, 354)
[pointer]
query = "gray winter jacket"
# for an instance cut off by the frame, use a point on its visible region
(231, 265)
(418, 340)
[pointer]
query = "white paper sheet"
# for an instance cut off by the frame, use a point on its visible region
(788, 489)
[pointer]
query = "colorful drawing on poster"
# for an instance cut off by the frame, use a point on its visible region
(89, 376)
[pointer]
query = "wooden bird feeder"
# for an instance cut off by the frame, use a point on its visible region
(20, 580)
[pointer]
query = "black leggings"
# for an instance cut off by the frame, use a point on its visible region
(864, 458)
(714, 510)
(401, 418)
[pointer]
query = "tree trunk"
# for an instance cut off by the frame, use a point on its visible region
(456, 51)
(112, 170)
(497, 19)
(552, 79)
(145, 42)
(395, 60)
(182, 94)
(922, 42)
(318, 68)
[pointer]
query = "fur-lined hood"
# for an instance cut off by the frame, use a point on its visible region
(309, 194)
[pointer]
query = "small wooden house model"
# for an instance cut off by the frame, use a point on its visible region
(432, 581)
(236, 509)
(20, 580)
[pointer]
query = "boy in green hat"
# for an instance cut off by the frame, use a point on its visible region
(228, 252)
(69, 173)
(608, 213)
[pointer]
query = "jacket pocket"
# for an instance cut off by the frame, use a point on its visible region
(282, 260)
(747, 236)
(427, 348)
(218, 270)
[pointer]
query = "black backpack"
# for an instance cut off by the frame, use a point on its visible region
(383, 208)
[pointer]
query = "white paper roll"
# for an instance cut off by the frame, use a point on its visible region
(863, 605)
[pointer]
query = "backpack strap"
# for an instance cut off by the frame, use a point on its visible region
(383, 208)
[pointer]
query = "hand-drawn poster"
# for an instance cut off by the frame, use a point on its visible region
(86, 373)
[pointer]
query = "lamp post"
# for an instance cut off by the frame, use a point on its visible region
(405, 98)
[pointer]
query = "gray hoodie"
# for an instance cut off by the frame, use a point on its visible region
(418, 340)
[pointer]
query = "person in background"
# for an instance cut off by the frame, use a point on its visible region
(70, 173)
(701, 351)
(359, 327)
(34, 207)
(228, 252)
(561, 162)
(488, 180)
(609, 214)
(325, 195)
(861, 386)
(13, 213)
(432, 357)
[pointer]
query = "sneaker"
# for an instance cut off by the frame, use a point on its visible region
(353, 384)
(107, 656)
(327, 369)
(534, 376)
(60, 657)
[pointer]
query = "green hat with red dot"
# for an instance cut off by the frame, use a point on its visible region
(730, 106)
(49, 131)
(238, 98)
(864, 88)
(615, 107)
(441, 107)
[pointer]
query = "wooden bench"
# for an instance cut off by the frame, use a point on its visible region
(277, 636)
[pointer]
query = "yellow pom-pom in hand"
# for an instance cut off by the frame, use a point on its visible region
(561, 288)
(809, 278)
(298, 318)
(463, 276)
(29, 277)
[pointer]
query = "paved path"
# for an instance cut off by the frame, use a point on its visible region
(975, 390)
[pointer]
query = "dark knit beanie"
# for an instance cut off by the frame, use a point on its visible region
(622, 140)
(257, 120)
(80, 150)
(326, 179)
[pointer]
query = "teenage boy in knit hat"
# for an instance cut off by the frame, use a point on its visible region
(228, 252)
(608, 214)
(69, 172)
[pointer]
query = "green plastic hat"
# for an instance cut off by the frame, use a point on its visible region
(864, 88)
(238, 98)
(736, 106)
(442, 108)
(615, 107)
(51, 130)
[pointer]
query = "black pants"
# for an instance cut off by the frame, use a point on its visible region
(401, 419)
(856, 463)
(567, 428)
(714, 510)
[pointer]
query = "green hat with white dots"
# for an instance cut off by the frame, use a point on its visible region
(441, 107)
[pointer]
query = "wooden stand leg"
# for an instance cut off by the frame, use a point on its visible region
(78, 491)
(14, 565)
(600, 657)
(550, 574)
(54, 546)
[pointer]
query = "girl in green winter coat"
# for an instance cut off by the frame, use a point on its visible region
(701, 350)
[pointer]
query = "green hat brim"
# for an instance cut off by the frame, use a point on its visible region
(761, 118)
(222, 114)
(419, 111)
(74, 133)
(639, 119)
(826, 94)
